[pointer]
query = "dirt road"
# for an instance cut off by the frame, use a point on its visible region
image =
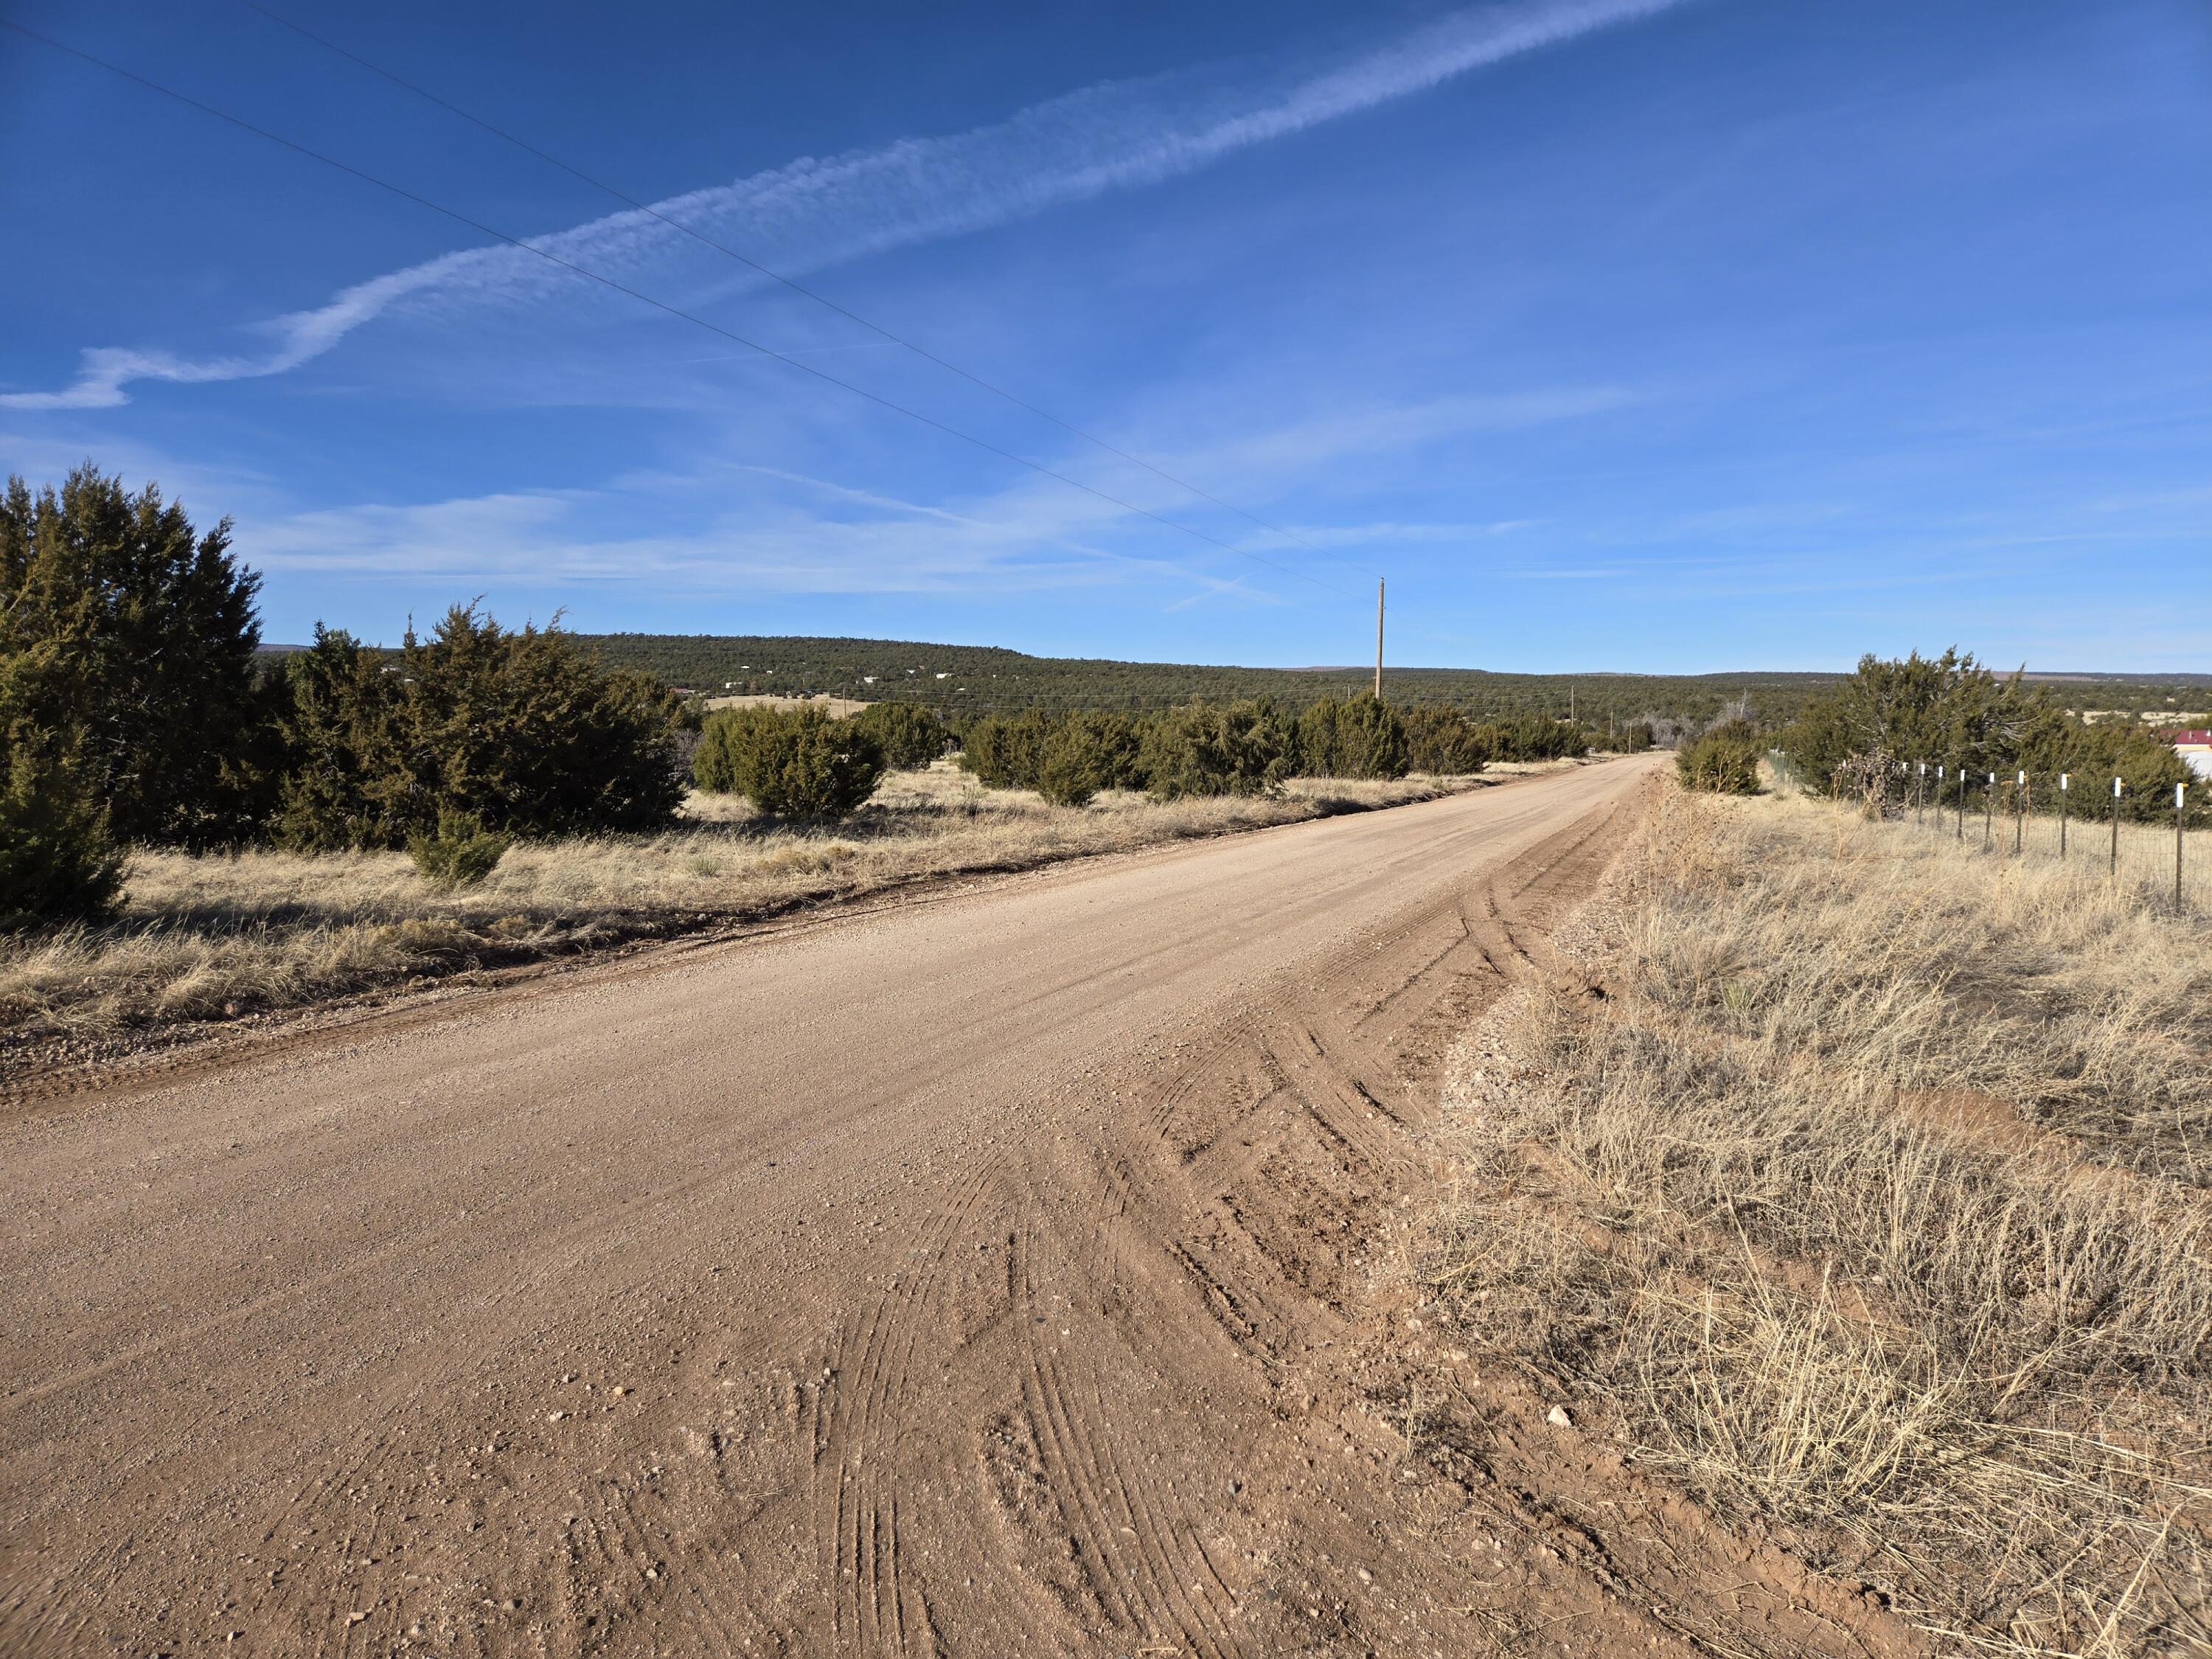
(991, 1275)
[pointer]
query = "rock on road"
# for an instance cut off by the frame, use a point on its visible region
(962, 1277)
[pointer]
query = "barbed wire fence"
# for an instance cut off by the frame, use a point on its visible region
(2160, 849)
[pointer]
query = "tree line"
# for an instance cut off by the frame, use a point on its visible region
(136, 709)
(139, 709)
(803, 763)
(1243, 747)
(990, 679)
(1890, 717)
(987, 679)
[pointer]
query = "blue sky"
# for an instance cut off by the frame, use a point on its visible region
(1615, 333)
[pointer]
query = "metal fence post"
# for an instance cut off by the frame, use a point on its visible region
(2177, 789)
(2018, 813)
(2061, 815)
(1990, 813)
(1962, 803)
(2116, 828)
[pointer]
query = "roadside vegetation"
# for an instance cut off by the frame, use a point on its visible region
(210, 936)
(1872, 1203)
(1249, 746)
(1862, 738)
(1724, 761)
(191, 829)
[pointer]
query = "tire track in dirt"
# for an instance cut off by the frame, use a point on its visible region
(905, 1323)
(1137, 1568)
(860, 1416)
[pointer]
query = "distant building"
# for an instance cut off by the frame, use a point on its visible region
(2194, 748)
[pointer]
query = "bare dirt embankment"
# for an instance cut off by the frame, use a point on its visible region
(1018, 1273)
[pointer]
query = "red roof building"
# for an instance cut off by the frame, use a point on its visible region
(2195, 747)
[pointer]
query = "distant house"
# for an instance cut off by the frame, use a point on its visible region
(2194, 748)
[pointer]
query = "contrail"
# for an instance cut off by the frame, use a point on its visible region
(812, 214)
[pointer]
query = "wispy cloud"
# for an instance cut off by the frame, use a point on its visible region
(1389, 534)
(1397, 426)
(817, 213)
(775, 529)
(786, 533)
(768, 545)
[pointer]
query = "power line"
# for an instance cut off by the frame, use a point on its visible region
(481, 228)
(795, 286)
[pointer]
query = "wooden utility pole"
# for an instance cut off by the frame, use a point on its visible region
(1378, 638)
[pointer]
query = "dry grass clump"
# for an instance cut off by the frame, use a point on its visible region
(208, 937)
(1871, 1201)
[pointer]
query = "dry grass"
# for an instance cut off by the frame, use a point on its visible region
(1872, 1203)
(212, 937)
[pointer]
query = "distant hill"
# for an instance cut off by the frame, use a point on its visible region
(2168, 681)
(987, 678)
(990, 679)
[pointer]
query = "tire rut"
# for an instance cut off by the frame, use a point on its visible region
(1069, 1368)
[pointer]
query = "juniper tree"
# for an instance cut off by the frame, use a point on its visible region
(795, 762)
(520, 728)
(131, 640)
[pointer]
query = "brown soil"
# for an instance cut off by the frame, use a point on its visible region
(1018, 1273)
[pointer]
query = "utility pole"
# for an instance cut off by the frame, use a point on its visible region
(1378, 638)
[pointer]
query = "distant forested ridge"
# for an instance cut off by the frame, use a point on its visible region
(987, 679)
(990, 680)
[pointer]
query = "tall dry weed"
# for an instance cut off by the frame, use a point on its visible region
(1871, 1202)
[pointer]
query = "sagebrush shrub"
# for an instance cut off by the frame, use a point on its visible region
(795, 763)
